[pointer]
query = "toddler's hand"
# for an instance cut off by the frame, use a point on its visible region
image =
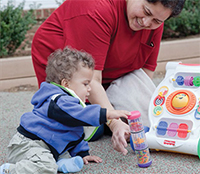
(89, 158)
(116, 114)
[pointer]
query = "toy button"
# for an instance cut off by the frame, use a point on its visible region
(180, 80)
(157, 110)
(197, 112)
(198, 107)
(180, 101)
(188, 81)
(179, 109)
(159, 100)
(196, 81)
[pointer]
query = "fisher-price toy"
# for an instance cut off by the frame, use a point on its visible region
(139, 140)
(174, 111)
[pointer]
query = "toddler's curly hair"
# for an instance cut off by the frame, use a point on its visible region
(63, 63)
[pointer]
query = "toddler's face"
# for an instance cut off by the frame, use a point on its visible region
(80, 82)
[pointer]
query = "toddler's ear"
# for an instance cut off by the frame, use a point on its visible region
(65, 83)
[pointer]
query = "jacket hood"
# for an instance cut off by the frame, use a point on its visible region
(46, 90)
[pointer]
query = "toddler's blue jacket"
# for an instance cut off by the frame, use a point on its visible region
(58, 119)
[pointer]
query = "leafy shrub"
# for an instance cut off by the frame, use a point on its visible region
(187, 23)
(14, 24)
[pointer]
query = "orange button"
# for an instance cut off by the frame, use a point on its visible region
(185, 108)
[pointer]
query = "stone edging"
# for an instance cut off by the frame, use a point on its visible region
(186, 51)
(16, 71)
(19, 71)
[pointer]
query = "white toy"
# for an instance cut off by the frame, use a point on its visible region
(174, 111)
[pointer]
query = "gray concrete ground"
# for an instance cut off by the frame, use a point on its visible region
(16, 101)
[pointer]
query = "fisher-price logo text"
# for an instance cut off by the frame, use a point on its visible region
(171, 143)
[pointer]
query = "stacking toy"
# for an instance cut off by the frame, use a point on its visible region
(139, 140)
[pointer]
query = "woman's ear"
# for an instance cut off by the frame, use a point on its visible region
(65, 83)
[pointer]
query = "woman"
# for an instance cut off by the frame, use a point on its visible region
(123, 36)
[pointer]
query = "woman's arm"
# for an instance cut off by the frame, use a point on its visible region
(119, 129)
(148, 72)
(98, 94)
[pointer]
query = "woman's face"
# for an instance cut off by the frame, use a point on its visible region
(144, 15)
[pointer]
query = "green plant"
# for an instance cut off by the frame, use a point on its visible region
(14, 24)
(187, 23)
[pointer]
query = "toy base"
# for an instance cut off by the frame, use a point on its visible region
(186, 147)
(145, 165)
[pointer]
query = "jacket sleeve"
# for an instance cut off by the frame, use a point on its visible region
(82, 149)
(68, 111)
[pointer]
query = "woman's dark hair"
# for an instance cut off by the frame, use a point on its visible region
(175, 5)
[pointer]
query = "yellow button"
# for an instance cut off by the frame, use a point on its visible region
(180, 101)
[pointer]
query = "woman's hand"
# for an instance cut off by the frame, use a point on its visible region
(121, 133)
(93, 158)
